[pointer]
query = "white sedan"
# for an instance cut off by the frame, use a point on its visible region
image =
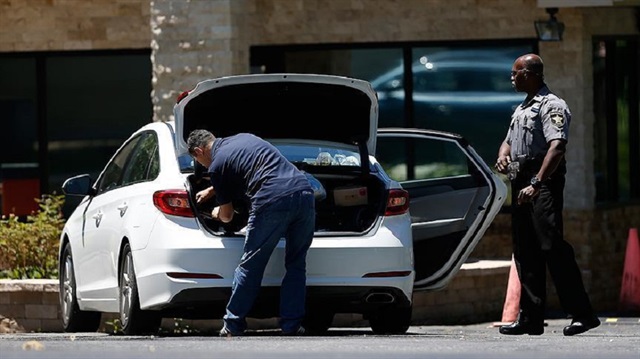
(138, 244)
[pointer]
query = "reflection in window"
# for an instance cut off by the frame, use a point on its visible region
(466, 91)
(458, 88)
(408, 160)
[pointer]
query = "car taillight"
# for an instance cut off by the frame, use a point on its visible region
(181, 96)
(174, 202)
(397, 202)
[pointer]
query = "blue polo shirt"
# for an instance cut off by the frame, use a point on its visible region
(246, 167)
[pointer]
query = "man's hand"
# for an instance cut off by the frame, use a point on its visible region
(502, 163)
(527, 194)
(205, 195)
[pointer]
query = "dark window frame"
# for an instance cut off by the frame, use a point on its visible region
(608, 193)
(41, 58)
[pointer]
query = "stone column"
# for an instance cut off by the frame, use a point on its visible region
(194, 40)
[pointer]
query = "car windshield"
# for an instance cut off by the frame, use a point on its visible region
(307, 154)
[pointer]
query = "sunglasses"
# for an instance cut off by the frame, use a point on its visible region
(513, 73)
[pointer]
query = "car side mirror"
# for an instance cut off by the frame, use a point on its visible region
(78, 186)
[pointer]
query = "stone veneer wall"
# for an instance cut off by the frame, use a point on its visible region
(60, 25)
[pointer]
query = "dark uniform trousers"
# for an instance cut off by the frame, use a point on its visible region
(539, 244)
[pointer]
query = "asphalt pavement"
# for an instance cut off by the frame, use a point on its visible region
(616, 338)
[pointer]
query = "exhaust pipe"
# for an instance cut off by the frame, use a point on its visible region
(380, 298)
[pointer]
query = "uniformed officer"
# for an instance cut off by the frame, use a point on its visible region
(532, 155)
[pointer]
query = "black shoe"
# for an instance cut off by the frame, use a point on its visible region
(519, 328)
(578, 326)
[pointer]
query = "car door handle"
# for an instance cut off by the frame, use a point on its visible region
(98, 218)
(123, 208)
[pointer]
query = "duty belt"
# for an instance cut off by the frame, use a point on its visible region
(522, 164)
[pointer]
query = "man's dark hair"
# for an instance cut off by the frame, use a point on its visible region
(199, 138)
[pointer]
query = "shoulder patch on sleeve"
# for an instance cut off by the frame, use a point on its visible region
(557, 118)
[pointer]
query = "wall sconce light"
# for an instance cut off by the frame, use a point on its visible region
(550, 30)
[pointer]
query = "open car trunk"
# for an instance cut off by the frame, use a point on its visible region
(346, 203)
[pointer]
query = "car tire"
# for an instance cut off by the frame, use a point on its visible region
(73, 319)
(317, 321)
(133, 320)
(391, 320)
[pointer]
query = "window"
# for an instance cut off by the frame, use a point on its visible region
(409, 160)
(112, 177)
(144, 163)
(461, 87)
(616, 64)
(71, 104)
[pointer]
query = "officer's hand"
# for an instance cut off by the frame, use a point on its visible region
(527, 194)
(502, 163)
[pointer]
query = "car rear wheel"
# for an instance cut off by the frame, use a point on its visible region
(73, 319)
(132, 319)
(391, 320)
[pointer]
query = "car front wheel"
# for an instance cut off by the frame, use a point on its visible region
(132, 319)
(73, 319)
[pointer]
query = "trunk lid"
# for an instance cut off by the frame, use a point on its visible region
(282, 106)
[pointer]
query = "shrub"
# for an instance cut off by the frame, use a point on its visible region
(29, 249)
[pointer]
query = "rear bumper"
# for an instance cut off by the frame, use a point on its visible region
(209, 303)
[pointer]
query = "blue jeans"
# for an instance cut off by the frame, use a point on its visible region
(291, 217)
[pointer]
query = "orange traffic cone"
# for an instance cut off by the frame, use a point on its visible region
(511, 306)
(630, 291)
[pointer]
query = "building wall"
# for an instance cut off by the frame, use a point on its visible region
(58, 25)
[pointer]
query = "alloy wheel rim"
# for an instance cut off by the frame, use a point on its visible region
(67, 289)
(125, 296)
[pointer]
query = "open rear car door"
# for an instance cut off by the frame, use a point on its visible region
(454, 197)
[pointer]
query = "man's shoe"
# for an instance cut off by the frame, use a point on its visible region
(296, 333)
(519, 328)
(225, 332)
(579, 326)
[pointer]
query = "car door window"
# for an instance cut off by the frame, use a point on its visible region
(406, 159)
(143, 165)
(112, 175)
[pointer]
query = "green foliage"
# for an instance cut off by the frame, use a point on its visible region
(29, 249)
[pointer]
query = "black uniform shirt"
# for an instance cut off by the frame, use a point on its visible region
(534, 124)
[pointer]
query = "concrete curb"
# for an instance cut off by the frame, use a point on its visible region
(475, 295)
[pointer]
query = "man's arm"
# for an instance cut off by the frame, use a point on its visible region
(223, 213)
(552, 159)
(504, 157)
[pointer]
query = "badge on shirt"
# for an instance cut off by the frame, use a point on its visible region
(557, 119)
